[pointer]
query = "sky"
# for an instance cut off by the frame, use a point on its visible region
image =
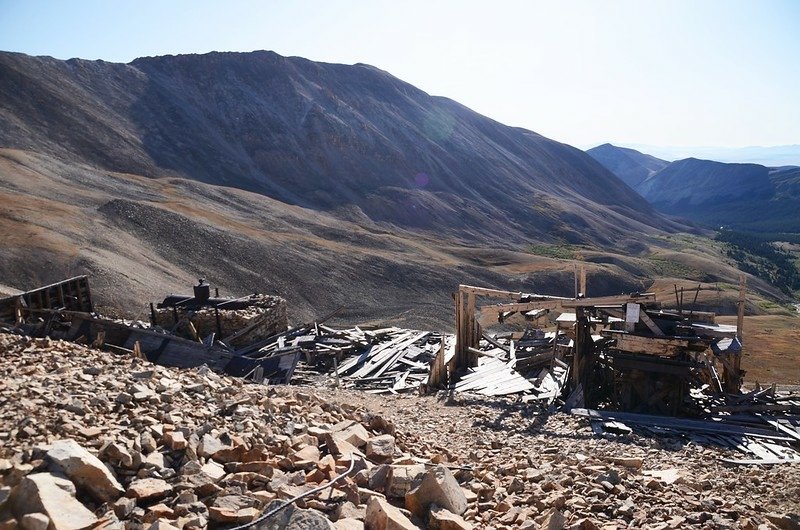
(645, 72)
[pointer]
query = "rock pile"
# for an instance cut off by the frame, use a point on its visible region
(90, 439)
(264, 316)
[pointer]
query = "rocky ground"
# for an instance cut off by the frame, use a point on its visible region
(91, 439)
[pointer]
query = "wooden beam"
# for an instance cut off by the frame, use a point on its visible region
(523, 306)
(583, 281)
(651, 345)
(482, 291)
(610, 300)
(644, 317)
(741, 304)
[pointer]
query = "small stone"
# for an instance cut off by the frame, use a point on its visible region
(441, 519)
(124, 507)
(175, 440)
(439, 487)
(610, 476)
(352, 432)
(34, 521)
(348, 524)
(213, 470)
(53, 496)
(148, 489)
(631, 462)
(383, 516)
(233, 509)
(209, 445)
(117, 454)
(554, 520)
(402, 479)
(85, 470)
(155, 459)
(147, 442)
(380, 449)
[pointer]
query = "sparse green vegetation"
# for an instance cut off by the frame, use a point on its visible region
(673, 269)
(556, 251)
(758, 254)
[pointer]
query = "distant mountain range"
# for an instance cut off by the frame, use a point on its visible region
(629, 165)
(770, 156)
(748, 197)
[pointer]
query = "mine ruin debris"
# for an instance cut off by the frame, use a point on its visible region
(626, 362)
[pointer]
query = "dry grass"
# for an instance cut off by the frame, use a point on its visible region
(771, 348)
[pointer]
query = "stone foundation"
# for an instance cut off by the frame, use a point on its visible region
(267, 313)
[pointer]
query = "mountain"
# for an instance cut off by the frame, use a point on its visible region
(328, 184)
(748, 197)
(683, 185)
(770, 156)
(631, 166)
(330, 137)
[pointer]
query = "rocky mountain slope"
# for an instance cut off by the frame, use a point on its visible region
(631, 166)
(92, 438)
(352, 140)
(684, 184)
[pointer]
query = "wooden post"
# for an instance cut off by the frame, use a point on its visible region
(219, 323)
(737, 358)
(577, 355)
(61, 301)
(336, 370)
(461, 346)
(472, 325)
(583, 282)
(576, 281)
(740, 304)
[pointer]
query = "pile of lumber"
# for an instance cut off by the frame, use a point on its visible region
(765, 439)
(528, 363)
(376, 360)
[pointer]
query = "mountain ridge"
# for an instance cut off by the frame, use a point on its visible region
(742, 196)
(301, 132)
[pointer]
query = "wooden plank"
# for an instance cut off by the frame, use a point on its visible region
(651, 345)
(644, 317)
(494, 293)
(610, 300)
(681, 423)
(522, 306)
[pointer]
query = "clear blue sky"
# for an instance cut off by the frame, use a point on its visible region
(696, 72)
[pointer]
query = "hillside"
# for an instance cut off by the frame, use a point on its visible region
(352, 140)
(327, 184)
(746, 197)
(684, 184)
(631, 166)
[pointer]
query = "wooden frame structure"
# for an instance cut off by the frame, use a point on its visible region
(72, 294)
(468, 329)
(623, 345)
